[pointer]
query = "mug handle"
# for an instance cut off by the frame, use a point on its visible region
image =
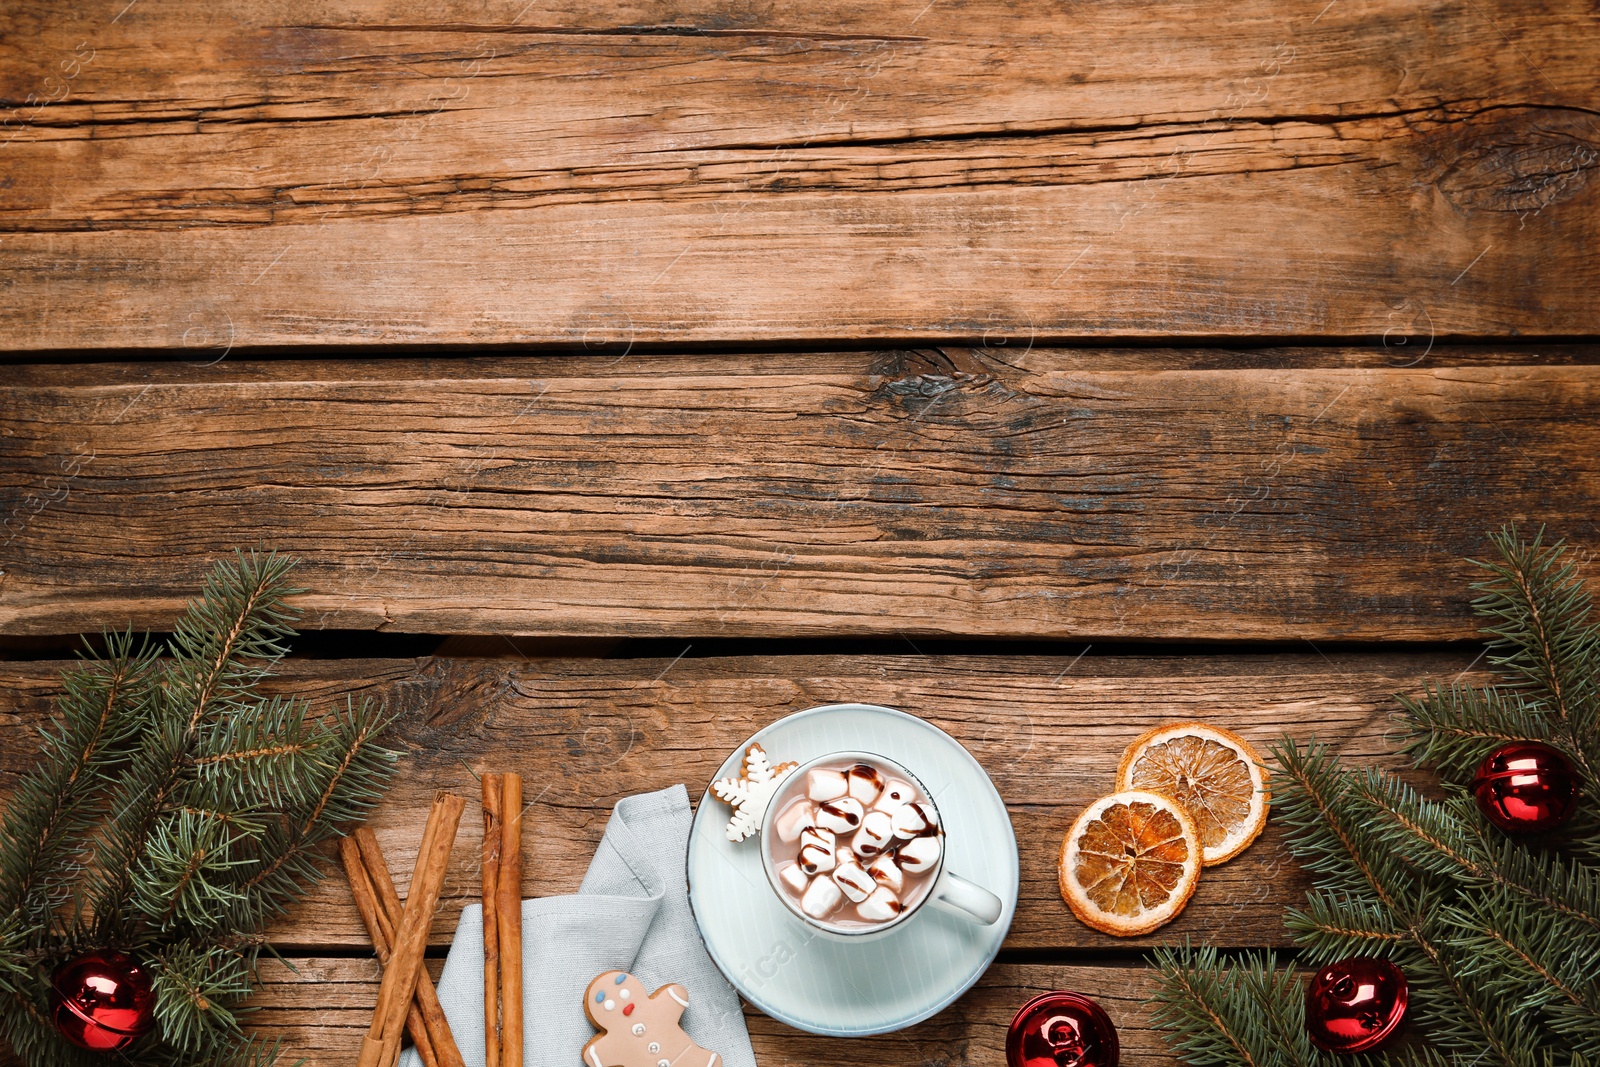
(967, 899)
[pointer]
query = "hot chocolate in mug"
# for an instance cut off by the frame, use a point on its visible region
(853, 845)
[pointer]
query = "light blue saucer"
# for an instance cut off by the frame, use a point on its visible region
(843, 989)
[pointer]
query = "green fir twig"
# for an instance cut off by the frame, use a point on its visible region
(1499, 937)
(175, 811)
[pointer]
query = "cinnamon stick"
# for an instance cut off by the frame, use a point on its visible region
(389, 915)
(372, 1045)
(381, 1046)
(366, 899)
(508, 891)
(492, 786)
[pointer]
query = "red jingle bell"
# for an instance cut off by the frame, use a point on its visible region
(1355, 1005)
(1526, 787)
(1062, 1029)
(102, 1002)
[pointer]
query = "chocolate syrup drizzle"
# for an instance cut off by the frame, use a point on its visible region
(868, 773)
(832, 809)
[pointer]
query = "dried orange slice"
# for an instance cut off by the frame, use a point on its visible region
(1213, 773)
(1130, 862)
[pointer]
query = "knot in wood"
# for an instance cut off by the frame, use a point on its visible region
(1518, 160)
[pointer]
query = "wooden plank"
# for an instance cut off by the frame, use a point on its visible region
(209, 176)
(945, 492)
(584, 732)
(321, 1013)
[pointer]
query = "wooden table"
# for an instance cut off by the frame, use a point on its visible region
(629, 377)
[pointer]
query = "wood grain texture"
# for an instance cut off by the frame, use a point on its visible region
(1047, 729)
(943, 492)
(318, 1013)
(209, 176)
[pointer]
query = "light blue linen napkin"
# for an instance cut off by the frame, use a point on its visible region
(631, 913)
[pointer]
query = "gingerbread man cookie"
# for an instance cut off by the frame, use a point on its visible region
(638, 1030)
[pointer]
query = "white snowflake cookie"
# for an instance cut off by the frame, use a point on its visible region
(751, 792)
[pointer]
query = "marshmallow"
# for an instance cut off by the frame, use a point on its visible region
(818, 837)
(816, 850)
(865, 782)
(814, 860)
(793, 877)
(877, 830)
(821, 897)
(887, 873)
(854, 880)
(880, 905)
(895, 793)
(919, 854)
(841, 816)
(914, 820)
(796, 817)
(823, 784)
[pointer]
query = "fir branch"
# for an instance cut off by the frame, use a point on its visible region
(143, 792)
(254, 1051)
(228, 638)
(16, 972)
(357, 770)
(1578, 1025)
(1464, 1018)
(1451, 728)
(1331, 927)
(213, 805)
(1446, 839)
(1562, 885)
(1330, 838)
(195, 987)
(1421, 1056)
(1524, 959)
(241, 823)
(1422, 833)
(1538, 610)
(54, 805)
(262, 759)
(1499, 938)
(1333, 829)
(183, 875)
(1531, 959)
(220, 646)
(1247, 1015)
